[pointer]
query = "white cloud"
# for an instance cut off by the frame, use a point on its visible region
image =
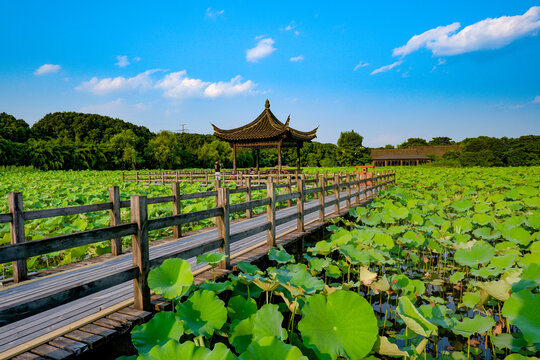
(119, 83)
(213, 14)
(298, 58)
(486, 34)
(264, 48)
(47, 69)
(122, 61)
(234, 87)
(292, 26)
(440, 62)
(536, 100)
(360, 65)
(386, 67)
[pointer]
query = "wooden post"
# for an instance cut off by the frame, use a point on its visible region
(123, 177)
(234, 158)
(322, 181)
(176, 176)
(316, 178)
(271, 214)
(357, 188)
(177, 208)
(279, 157)
(300, 203)
(162, 177)
(191, 177)
(114, 212)
(249, 212)
(141, 254)
(364, 175)
(16, 228)
(348, 180)
(336, 193)
(289, 187)
(206, 180)
(224, 227)
(136, 176)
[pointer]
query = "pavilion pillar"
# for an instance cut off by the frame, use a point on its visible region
(234, 158)
(385, 163)
(298, 157)
(279, 157)
(257, 156)
(400, 162)
(417, 162)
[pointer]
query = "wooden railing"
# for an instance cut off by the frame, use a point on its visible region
(355, 186)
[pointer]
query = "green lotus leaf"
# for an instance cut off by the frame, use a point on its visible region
(533, 221)
(187, 351)
(506, 260)
(520, 357)
(372, 219)
(211, 259)
(519, 311)
(171, 279)
(456, 277)
(482, 219)
(333, 271)
(239, 308)
(381, 285)
(399, 212)
(343, 323)
(304, 280)
(500, 289)
(478, 325)
(317, 265)
(509, 341)
(437, 314)
(247, 268)
(414, 319)
(281, 256)
(384, 240)
(462, 225)
(217, 287)
(384, 347)
(436, 219)
(531, 273)
(203, 313)
(481, 207)
(532, 202)
(513, 194)
(517, 235)
(160, 329)
(486, 272)
(267, 322)
(354, 255)
(241, 334)
(480, 253)
(341, 237)
(322, 248)
(462, 205)
(270, 348)
(486, 233)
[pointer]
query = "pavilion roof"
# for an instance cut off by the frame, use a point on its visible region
(265, 126)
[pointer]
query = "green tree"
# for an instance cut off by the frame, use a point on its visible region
(350, 149)
(413, 142)
(216, 150)
(13, 129)
(441, 140)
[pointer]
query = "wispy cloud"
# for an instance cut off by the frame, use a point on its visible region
(386, 67)
(264, 48)
(47, 69)
(292, 27)
(536, 100)
(175, 85)
(360, 65)
(214, 14)
(120, 83)
(440, 62)
(122, 61)
(298, 58)
(486, 34)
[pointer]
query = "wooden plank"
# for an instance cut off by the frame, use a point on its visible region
(37, 305)
(141, 253)
(198, 195)
(166, 221)
(249, 211)
(287, 197)
(283, 220)
(5, 218)
(29, 356)
(177, 207)
(72, 346)
(312, 190)
(160, 199)
(187, 253)
(109, 323)
(44, 246)
(312, 209)
(65, 211)
(224, 227)
(271, 214)
(250, 232)
(115, 219)
(248, 205)
(108, 334)
(16, 228)
(300, 204)
(88, 338)
(52, 352)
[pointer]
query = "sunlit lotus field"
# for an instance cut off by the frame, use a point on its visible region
(445, 265)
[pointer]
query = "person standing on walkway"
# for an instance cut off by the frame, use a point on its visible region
(217, 170)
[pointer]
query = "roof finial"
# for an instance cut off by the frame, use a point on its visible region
(267, 104)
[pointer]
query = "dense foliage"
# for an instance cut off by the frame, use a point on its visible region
(445, 265)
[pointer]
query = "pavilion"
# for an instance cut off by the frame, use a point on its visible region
(266, 131)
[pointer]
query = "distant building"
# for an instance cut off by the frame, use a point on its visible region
(413, 155)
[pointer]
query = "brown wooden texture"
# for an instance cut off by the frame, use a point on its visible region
(271, 214)
(300, 204)
(141, 256)
(224, 227)
(114, 213)
(17, 233)
(177, 207)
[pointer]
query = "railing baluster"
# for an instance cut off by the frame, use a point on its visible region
(271, 214)
(300, 203)
(114, 213)
(177, 208)
(16, 226)
(223, 225)
(141, 253)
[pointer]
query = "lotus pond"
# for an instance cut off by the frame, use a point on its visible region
(445, 265)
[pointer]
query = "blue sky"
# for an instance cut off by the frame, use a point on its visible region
(388, 70)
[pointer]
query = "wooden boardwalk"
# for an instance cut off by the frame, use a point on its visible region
(46, 325)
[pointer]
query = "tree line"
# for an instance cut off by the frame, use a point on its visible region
(78, 141)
